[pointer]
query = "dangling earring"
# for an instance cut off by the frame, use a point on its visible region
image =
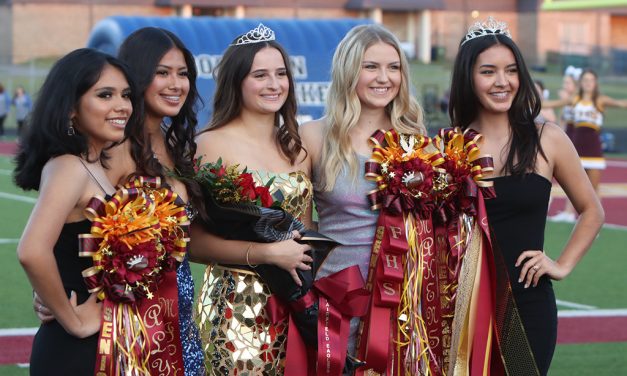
(70, 129)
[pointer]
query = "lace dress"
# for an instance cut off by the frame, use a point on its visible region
(238, 337)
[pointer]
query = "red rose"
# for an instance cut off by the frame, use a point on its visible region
(264, 194)
(247, 186)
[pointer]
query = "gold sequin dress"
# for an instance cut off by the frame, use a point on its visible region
(237, 335)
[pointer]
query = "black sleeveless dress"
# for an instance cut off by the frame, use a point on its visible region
(55, 351)
(517, 217)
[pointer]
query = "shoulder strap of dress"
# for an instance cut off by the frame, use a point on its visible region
(92, 176)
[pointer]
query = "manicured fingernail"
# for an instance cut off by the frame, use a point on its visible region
(526, 285)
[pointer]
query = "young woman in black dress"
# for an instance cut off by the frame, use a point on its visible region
(492, 92)
(83, 107)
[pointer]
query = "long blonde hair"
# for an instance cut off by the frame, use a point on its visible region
(344, 108)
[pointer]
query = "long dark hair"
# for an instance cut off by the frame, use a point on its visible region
(524, 143)
(227, 103)
(47, 131)
(142, 51)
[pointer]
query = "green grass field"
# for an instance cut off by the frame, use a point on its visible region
(598, 281)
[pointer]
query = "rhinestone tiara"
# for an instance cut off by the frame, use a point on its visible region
(489, 27)
(256, 35)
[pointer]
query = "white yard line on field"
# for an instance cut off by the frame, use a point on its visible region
(593, 313)
(574, 305)
(614, 227)
(9, 241)
(5, 172)
(18, 332)
(11, 196)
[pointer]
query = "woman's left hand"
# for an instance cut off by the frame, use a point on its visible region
(535, 264)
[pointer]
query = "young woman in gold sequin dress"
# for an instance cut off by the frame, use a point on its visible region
(254, 126)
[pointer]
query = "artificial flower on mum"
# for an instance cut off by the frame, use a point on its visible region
(137, 237)
(402, 165)
(461, 174)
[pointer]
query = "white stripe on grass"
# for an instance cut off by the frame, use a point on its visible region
(593, 313)
(564, 303)
(18, 332)
(614, 227)
(11, 196)
(9, 241)
(5, 172)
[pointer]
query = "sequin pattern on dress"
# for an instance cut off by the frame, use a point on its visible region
(193, 357)
(238, 337)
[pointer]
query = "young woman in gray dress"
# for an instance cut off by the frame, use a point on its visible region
(369, 91)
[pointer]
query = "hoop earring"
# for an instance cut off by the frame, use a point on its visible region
(70, 129)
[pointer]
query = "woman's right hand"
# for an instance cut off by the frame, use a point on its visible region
(44, 314)
(288, 255)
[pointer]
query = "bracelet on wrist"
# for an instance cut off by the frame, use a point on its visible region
(250, 245)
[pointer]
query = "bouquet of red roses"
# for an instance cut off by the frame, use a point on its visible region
(236, 207)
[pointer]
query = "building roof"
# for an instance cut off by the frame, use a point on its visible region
(397, 5)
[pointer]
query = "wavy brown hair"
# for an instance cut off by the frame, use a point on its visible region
(228, 99)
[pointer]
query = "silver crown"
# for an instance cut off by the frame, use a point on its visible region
(256, 35)
(489, 27)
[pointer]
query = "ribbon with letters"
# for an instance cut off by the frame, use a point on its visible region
(136, 239)
(340, 296)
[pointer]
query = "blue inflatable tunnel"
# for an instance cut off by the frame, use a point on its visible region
(310, 44)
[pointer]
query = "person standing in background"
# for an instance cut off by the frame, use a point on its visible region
(23, 105)
(588, 108)
(5, 105)
(546, 114)
(570, 84)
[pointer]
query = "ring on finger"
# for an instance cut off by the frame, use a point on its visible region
(535, 267)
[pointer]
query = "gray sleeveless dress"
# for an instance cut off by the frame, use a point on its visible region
(344, 215)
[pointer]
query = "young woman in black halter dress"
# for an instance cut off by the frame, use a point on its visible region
(492, 92)
(83, 106)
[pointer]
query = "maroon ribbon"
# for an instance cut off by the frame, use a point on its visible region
(384, 278)
(340, 296)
